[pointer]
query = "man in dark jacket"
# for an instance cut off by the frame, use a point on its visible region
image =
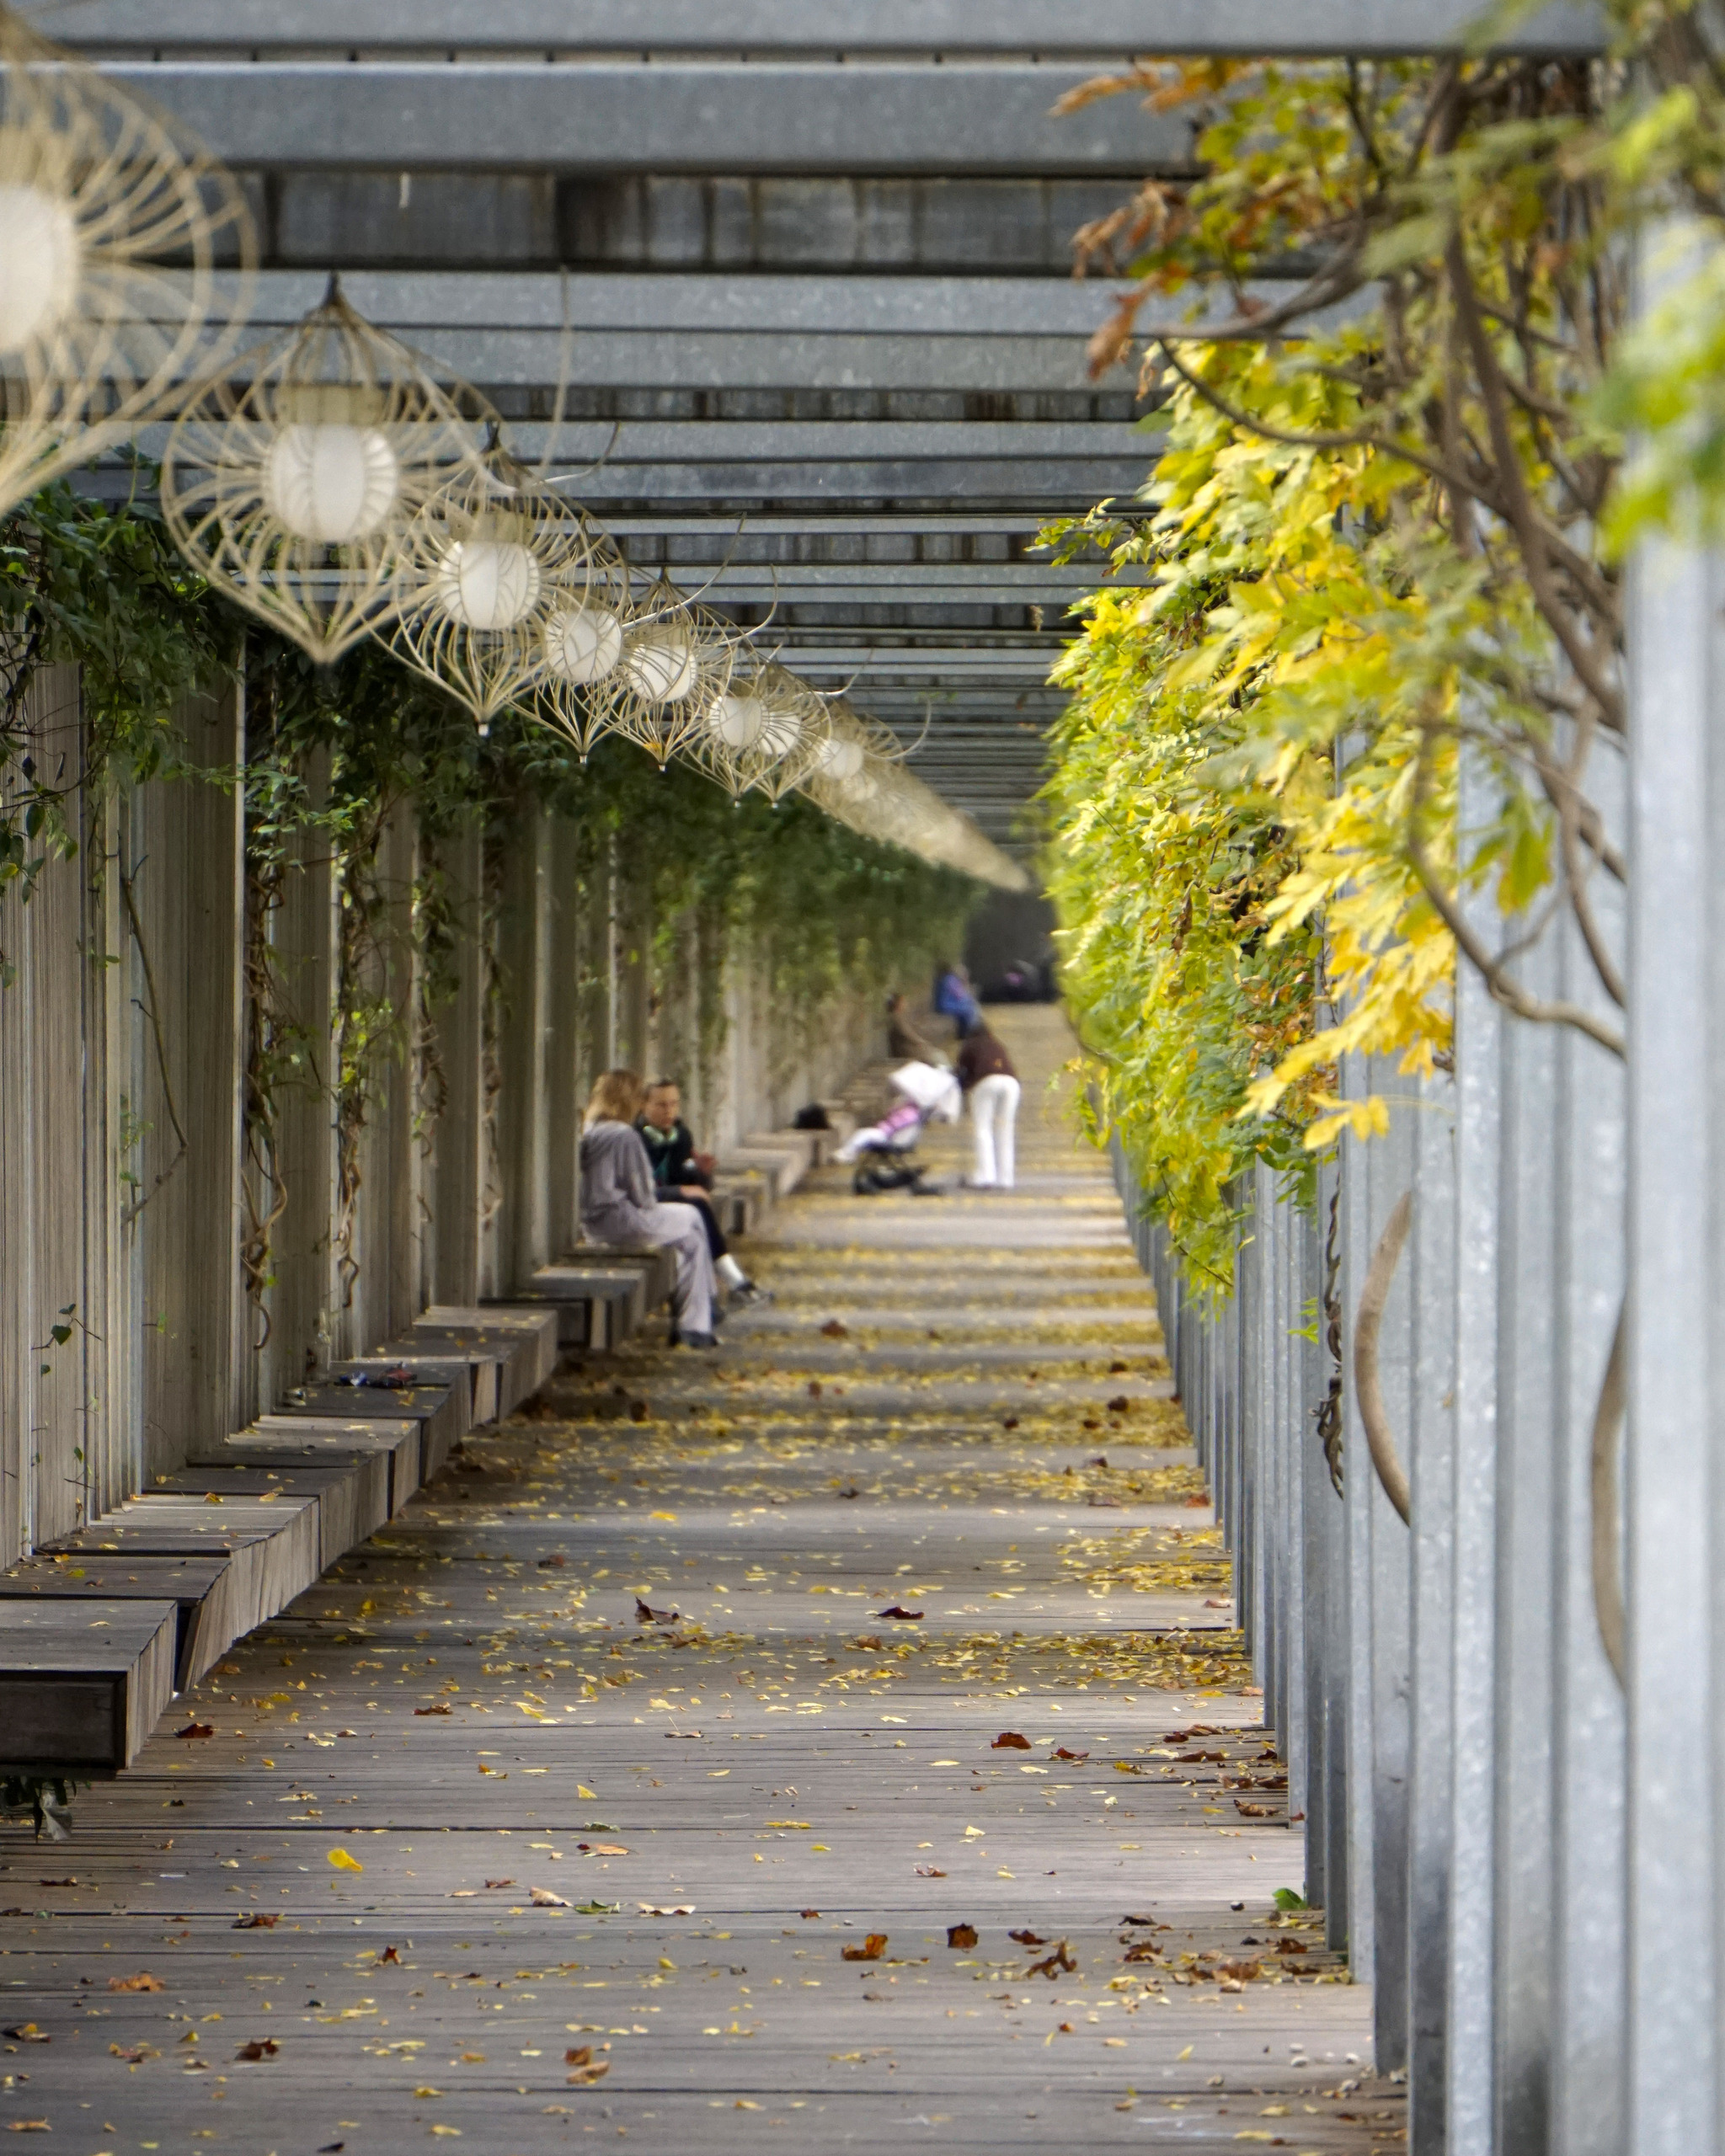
(683, 1177)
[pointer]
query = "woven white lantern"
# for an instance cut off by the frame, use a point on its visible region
(764, 734)
(112, 220)
(584, 626)
(492, 572)
(294, 493)
(675, 669)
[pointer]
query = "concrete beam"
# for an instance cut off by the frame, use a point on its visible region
(620, 116)
(1105, 27)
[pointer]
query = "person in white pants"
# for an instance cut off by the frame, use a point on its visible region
(986, 1074)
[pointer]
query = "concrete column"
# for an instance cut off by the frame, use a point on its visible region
(459, 1140)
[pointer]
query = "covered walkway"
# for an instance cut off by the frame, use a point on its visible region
(608, 1793)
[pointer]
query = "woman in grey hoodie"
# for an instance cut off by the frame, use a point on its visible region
(619, 1206)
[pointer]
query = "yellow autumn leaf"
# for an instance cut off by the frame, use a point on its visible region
(343, 1862)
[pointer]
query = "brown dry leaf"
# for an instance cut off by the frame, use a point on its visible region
(873, 1947)
(196, 1729)
(807, 1913)
(390, 1954)
(961, 1934)
(259, 2047)
(644, 1615)
(258, 1920)
(432, 1710)
(555, 1562)
(930, 1871)
(583, 2077)
(602, 1849)
(1009, 1740)
(1241, 1972)
(1252, 1811)
(143, 1981)
(134, 2054)
(1292, 1946)
(1028, 1938)
(836, 1329)
(897, 1609)
(579, 2055)
(27, 2032)
(871, 1641)
(494, 1884)
(1061, 1752)
(542, 1898)
(1051, 1964)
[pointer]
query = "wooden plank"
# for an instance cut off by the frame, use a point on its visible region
(658, 1269)
(279, 1440)
(82, 1683)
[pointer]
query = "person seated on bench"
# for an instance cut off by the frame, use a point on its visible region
(685, 1176)
(904, 1043)
(621, 1205)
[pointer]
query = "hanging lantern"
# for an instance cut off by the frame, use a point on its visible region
(766, 733)
(494, 586)
(674, 670)
(292, 492)
(584, 637)
(112, 220)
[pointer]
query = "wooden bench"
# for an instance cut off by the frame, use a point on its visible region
(352, 1494)
(656, 1267)
(598, 1305)
(510, 1351)
(271, 1546)
(187, 1583)
(83, 1682)
(304, 1440)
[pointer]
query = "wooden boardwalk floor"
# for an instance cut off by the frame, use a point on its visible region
(464, 1847)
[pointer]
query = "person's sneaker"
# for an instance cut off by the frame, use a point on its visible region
(700, 1340)
(750, 1291)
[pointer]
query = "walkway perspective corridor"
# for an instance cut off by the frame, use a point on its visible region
(840, 1740)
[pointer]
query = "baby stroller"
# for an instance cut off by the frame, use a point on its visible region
(883, 1150)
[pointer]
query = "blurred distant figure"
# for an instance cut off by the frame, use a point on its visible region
(905, 1043)
(991, 1085)
(955, 998)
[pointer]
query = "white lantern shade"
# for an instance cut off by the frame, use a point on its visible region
(740, 721)
(330, 482)
(583, 643)
(782, 731)
(662, 664)
(41, 260)
(840, 759)
(488, 584)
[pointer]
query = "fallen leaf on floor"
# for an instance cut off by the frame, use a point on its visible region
(1242, 1972)
(807, 1913)
(27, 2126)
(196, 1729)
(27, 2032)
(494, 1884)
(1052, 1964)
(343, 1862)
(542, 1898)
(582, 1789)
(258, 1920)
(134, 2054)
(259, 2047)
(644, 1615)
(676, 1909)
(583, 2077)
(1252, 1811)
(1009, 1740)
(836, 1329)
(390, 1954)
(873, 1947)
(1028, 1938)
(143, 1981)
(602, 1849)
(1061, 1752)
(553, 1563)
(961, 1934)
(930, 1871)
(432, 1710)
(897, 1609)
